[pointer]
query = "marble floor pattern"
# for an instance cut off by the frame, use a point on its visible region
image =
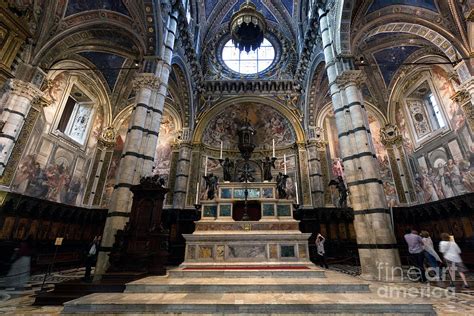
(445, 303)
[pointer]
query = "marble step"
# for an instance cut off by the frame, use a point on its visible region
(278, 273)
(245, 304)
(243, 285)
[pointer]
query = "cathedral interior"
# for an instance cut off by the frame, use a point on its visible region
(181, 130)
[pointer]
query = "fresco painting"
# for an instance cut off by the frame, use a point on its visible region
(268, 123)
(53, 182)
(166, 138)
(445, 174)
(384, 163)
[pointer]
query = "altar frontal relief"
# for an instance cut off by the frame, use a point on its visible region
(268, 123)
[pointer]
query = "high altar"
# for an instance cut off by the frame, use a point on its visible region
(220, 240)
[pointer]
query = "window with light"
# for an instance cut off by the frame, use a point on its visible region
(249, 63)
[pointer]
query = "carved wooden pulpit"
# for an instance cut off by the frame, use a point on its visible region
(142, 246)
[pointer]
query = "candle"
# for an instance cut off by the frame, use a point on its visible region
(205, 167)
(296, 192)
(273, 140)
(197, 193)
(284, 161)
(221, 150)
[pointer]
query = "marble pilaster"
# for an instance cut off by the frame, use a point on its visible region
(182, 175)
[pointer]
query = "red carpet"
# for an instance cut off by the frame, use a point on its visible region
(249, 268)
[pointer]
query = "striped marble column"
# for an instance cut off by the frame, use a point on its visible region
(375, 237)
(17, 104)
(182, 175)
(142, 138)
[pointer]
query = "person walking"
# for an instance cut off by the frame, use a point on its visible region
(430, 253)
(91, 257)
(415, 248)
(321, 252)
(451, 253)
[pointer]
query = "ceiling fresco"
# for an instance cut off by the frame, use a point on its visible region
(379, 4)
(109, 65)
(76, 6)
(390, 59)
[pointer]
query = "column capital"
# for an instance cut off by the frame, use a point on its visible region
(146, 80)
(316, 138)
(461, 96)
(350, 77)
(24, 89)
(107, 138)
(390, 135)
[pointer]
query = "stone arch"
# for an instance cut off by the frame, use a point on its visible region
(184, 78)
(108, 36)
(429, 34)
(291, 116)
(343, 21)
(316, 78)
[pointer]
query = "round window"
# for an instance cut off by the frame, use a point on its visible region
(248, 63)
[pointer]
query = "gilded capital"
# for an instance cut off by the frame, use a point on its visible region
(107, 138)
(350, 77)
(146, 80)
(461, 97)
(390, 135)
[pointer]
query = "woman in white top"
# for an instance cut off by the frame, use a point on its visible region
(320, 249)
(451, 251)
(430, 253)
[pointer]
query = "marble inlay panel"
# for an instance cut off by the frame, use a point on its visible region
(284, 210)
(268, 209)
(210, 211)
(220, 250)
(247, 251)
(226, 193)
(235, 226)
(287, 251)
(273, 251)
(225, 210)
(191, 252)
(302, 250)
(267, 193)
(205, 252)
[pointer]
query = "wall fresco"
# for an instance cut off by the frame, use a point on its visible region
(447, 170)
(268, 123)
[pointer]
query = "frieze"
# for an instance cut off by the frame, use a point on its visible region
(239, 226)
(260, 87)
(146, 80)
(24, 89)
(351, 77)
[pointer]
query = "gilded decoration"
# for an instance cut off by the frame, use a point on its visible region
(390, 135)
(107, 138)
(205, 252)
(220, 250)
(302, 251)
(461, 97)
(468, 109)
(146, 80)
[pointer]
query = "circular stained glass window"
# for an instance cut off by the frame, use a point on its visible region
(248, 63)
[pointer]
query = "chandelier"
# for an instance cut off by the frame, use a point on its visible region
(247, 27)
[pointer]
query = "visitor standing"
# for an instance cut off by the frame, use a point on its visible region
(416, 250)
(451, 253)
(91, 257)
(19, 273)
(321, 252)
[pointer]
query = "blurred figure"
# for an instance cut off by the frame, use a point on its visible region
(321, 252)
(19, 273)
(430, 253)
(92, 257)
(451, 251)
